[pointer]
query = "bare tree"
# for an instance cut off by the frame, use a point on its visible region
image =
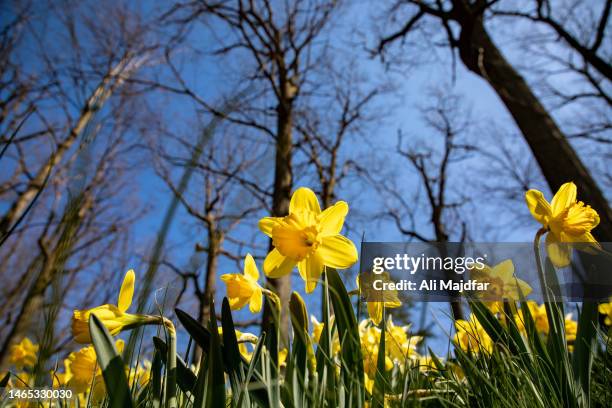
(218, 200)
(279, 41)
(556, 157)
(433, 163)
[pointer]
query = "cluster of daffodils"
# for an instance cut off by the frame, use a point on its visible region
(309, 239)
(470, 336)
(81, 372)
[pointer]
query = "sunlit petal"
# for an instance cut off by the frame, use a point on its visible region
(127, 291)
(277, 265)
(310, 270)
(538, 206)
(332, 218)
(304, 199)
(250, 268)
(338, 252)
(256, 301)
(563, 199)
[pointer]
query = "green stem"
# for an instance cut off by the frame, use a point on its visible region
(171, 365)
(536, 249)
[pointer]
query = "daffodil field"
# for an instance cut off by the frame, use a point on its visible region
(514, 353)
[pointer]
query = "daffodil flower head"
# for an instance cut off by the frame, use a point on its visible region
(23, 354)
(83, 368)
(113, 317)
(244, 288)
(309, 238)
(398, 343)
(606, 309)
(503, 284)
(389, 298)
(566, 220)
(538, 314)
(471, 336)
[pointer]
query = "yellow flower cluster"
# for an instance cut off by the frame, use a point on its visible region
(23, 354)
(83, 375)
(502, 283)
(470, 336)
(606, 310)
(400, 348)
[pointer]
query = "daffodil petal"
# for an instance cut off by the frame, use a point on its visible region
(524, 287)
(250, 268)
(538, 206)
(332, 218)
(558, 252)
(310, 270)
(338, 252)
(504, 270)
(375, 310)
(266, 224)
(304, 199)
(277, 265)
(256, 301)
(127, 291)
(564, 198)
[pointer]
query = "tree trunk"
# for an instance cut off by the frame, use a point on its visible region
(283, 183)
(555, 156)
(212, 261)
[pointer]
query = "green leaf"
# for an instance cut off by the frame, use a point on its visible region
(231, 353)
(326, 367)
(351, 365)
(585, 344)
(155, 385)
(210, 386)
(199, 333)
(378, 399)
(112, 365)
(255, 357)
(185, 378)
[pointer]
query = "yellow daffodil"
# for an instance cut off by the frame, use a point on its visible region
(426, 363)
(370, 342)
(282, 357)
(565, 219)
(606, 309)
(243, 288)
(62, 379)
(503, 285)
(398, 344)
(538, 314)
(82, 365)
(309, 238)
(243, 339)
(389, 298)
(113, 317)
(470, 335)
(141, 375)
(317, 329)
(23, 354)
(571, 329)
